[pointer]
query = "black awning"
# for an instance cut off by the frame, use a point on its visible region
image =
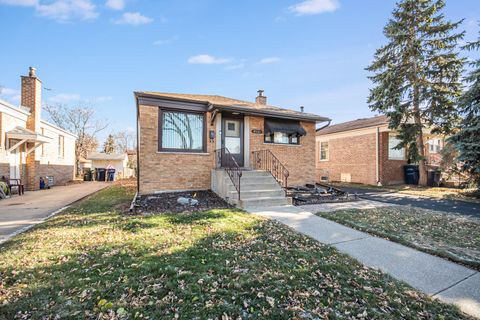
(286, 126)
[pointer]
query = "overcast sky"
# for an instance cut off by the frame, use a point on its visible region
(311, 53)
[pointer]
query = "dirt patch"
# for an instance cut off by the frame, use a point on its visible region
(167, 202)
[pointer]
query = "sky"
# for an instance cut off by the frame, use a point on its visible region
(309, 53)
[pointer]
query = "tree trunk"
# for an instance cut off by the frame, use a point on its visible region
(422, 166)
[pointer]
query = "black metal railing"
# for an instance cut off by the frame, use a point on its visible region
(225, 160)
(266, 160)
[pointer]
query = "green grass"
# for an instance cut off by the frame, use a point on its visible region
(447, 235)
(94, 263)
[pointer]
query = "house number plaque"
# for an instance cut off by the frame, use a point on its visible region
(258, 131)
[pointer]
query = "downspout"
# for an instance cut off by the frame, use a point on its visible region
(377, 156)
(329, 121)
(138, 145)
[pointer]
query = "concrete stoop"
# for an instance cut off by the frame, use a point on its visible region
(257, 189)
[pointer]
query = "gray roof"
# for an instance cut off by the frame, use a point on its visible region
(105, 156)
(355, 124)
(234, 104)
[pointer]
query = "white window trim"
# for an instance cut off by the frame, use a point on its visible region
(388, 150)
(320, 151)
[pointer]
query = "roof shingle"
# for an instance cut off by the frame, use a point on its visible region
(221, 101)
(355, 124)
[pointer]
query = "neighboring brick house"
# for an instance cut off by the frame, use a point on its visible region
(362, 151)
(174, 157)
(31, 148)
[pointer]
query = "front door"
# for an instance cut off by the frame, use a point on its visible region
(232, 138)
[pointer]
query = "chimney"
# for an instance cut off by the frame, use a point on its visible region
(261, 99)
(32, 98)
(301, 108)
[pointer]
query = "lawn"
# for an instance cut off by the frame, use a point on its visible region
(92, 262)
(447, 235)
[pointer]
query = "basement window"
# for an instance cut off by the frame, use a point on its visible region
(181, 131)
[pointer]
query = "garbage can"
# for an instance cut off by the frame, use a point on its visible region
(111, 175)
(411, 174)
(87, 176)
(433, 178)
(100, 174)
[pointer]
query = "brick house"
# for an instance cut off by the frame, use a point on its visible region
(30, 147)
(199, 142)
(362, 151)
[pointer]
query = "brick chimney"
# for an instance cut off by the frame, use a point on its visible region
(261, 99)
(32, 98)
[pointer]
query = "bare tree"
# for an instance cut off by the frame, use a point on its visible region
(124, 140)
(80, 120)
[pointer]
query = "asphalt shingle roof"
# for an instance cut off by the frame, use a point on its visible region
(355, 124)
(221, 101)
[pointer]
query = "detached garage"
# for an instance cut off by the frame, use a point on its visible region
(116, 161)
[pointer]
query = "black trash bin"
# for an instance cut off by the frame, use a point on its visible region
(88, 175)
(111, 175)
(100, 174)
(433, 178)
(411, 174)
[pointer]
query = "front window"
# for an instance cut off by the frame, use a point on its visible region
(181, 131)
(281, 137)
(395, 154)
(324, 151)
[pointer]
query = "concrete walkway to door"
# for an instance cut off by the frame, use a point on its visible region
(439, 278)
(20, 212)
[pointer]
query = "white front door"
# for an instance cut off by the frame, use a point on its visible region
(15, 164)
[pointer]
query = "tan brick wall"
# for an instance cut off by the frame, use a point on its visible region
(170, 171)
(299, 160)
(354, 155)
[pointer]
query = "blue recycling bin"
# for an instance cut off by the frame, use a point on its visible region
(111, 175)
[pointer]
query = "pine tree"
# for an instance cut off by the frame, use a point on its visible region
(417, 75)
(467, 140)
(109, 145)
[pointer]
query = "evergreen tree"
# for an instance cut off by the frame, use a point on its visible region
(417, 75)
(109, 145)
(467, 140)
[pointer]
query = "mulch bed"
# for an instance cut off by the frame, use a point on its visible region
(167, 202)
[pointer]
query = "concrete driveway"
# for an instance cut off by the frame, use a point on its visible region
(20, 212)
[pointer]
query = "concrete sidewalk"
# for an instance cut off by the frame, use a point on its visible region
(448, 281)
(21, 212)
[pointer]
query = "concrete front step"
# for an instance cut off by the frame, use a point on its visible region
(255, 173)
(255, 186)
(250, 194)
(263, 202)
(254, 179)
(258, 189)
